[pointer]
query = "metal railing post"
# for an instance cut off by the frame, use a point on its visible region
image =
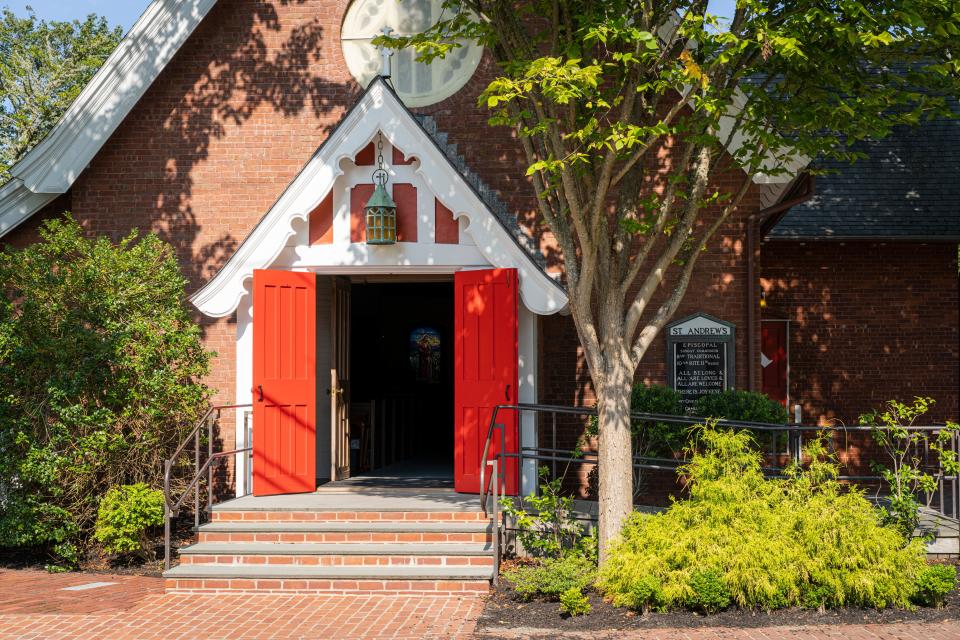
(166, 514)
(495, 523)
(196, 470)
(554, 445)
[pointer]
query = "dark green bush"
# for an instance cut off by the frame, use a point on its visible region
(735, 404)
(709, 593)
(551, 577)
(101, 369)
(125, 517)
(574, 603)
(804, 540)
(646, 594)
(933, 584)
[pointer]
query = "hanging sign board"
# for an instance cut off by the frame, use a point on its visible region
(700, 356)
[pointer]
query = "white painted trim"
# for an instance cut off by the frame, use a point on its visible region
(17, 203)
(54, 164)
(378, 110)
(244, 386)
(527, 345)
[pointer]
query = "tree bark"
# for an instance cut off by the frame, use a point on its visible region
(615, 455)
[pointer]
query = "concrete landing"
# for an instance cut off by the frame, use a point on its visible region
(358, 499)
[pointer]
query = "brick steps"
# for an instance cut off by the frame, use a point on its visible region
(344, 516)
(311, 554)
(347, 531)
(297, 550)
(302, 579)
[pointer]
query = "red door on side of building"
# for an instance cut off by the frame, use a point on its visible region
(284, 382)
(486, 372)
(774, 359)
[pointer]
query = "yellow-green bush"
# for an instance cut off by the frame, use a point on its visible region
(801, 541)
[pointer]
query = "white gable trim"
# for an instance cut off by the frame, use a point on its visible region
(54, 164)
(378, 110)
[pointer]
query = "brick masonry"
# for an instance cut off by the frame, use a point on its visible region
(260, 85)
(869, 322)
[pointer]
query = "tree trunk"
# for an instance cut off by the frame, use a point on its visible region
(615, 455)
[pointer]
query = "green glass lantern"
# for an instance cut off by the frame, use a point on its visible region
(381, 210)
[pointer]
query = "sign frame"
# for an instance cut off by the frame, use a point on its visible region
(708, 329)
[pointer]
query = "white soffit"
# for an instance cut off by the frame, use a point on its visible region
(51, 167)
(378, 110)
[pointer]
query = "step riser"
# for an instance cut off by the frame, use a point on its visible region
(354, 516)
(385, 587)
(338, 561)
(339, 537)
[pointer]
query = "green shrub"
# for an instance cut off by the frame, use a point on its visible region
(904, 469)
(125, 517)
(933, 584)
(709, 593)
(552, 528)
(646, 594)
(101, 369)
(574, 603)
(801, 541)
(551, 577)
(734, 404)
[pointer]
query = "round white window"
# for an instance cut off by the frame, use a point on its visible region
(419, 84)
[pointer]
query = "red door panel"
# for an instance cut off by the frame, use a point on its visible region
(773, 359)
(486, 372)
(284, 382)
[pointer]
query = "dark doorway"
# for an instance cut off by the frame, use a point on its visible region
(401, 426)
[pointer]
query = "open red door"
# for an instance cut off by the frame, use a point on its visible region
(486, 371)
(284, 382)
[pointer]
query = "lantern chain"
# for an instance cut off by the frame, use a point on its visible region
(380, 175)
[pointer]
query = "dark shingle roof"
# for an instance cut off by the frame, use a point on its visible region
(908, 188)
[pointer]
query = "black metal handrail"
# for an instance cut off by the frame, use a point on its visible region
(172, 508)
(795, 433)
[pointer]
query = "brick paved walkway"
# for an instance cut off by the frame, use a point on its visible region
(34, 606)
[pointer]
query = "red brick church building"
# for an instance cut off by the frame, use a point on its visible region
(246, 132)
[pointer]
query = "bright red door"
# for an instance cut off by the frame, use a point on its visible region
(284, 382)
(486, 371)
(773, 359)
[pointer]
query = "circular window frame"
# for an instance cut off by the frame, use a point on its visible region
(358, 67)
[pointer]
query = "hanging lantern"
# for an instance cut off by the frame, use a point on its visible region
(381, 210)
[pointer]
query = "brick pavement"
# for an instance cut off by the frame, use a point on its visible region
(33, 606)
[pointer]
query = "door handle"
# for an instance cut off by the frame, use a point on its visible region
(506, 394)
(260, 391)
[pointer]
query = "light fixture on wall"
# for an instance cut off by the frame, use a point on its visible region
(763, 299)
(381, 210)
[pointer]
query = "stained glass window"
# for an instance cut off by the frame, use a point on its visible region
(425, 354)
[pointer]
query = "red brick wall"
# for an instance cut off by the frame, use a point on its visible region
(868, 323)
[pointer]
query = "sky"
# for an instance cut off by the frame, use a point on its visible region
(126, 12)
(117, 12)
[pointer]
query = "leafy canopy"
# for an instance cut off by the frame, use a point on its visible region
(43, 67)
